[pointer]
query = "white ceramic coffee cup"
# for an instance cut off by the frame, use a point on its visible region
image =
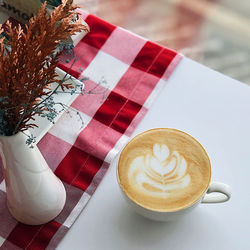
(217, 192)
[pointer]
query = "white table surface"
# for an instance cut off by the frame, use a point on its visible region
(215, 110)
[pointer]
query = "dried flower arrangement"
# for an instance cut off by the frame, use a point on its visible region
(28, 65)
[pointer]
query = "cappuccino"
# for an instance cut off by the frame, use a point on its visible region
(164, 170)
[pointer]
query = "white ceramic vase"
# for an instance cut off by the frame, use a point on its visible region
(35, 195)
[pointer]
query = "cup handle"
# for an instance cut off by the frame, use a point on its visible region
(217, 192)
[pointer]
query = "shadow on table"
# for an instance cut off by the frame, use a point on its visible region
(140, 231)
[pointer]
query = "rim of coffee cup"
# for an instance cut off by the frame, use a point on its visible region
(158, 210)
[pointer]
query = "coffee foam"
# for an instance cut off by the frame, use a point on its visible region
(164, 170)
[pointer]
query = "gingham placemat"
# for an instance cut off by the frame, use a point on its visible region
(125, 73)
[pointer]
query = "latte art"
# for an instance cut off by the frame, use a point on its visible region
(164, 170)
(160, 172)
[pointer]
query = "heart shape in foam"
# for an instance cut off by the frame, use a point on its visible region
(161, 152)
(160, 170)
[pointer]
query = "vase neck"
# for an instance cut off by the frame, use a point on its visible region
(14, 149)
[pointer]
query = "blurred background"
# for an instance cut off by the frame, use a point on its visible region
(215, 33)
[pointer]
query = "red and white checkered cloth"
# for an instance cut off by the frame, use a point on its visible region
(125, 73)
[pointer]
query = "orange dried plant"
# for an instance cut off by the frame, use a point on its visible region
(28, 68)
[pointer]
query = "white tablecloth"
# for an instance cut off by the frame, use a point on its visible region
(215, 110)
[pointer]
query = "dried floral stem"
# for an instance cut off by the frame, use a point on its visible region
(50, 94)
(28, 68)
